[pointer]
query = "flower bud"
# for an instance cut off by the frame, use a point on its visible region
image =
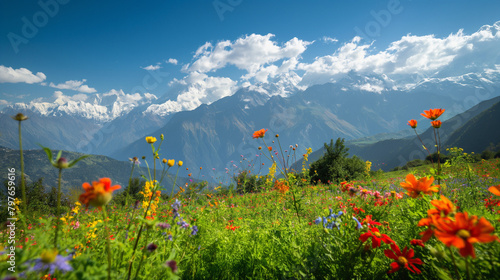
(62, 163)
(19, 117)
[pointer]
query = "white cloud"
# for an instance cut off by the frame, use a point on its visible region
(249, 53)
(151, 67)
(4, 102)
(327, 39)
(172, 61)
(74, 85)
(199, 88)
(411, 55)
(21, 75)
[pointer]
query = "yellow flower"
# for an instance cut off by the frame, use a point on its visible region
(49, 256)
(150, 139)
(170, 162)
(179, 163)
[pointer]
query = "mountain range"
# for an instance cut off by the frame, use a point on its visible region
(87, 170)
(218, 135)
(474, 130)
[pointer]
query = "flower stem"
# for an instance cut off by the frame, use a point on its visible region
(58, 207)
(142, 257)
(108, 245)
(454, 263)
(139, 234)
(467, 267)
(175, 181)
(129, 184)
(423, 145)
(23, 186)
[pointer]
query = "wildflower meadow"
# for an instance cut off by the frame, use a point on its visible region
(436, 221)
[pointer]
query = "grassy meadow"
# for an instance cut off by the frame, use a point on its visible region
(396, 225)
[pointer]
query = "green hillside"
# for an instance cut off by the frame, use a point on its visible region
(87, 170)
(480, 133)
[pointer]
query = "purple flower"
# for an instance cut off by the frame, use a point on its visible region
(51, 260)
(183, 224)
(195, 231)
(151, 247)
(163, 225)
(173, 265)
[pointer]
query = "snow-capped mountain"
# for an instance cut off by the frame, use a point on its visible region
(100, 108)
(352, 106)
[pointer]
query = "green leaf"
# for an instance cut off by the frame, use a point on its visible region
(58, 156)
(73, 162)
(48, 152)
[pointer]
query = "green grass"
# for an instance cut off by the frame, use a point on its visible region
(260, 236)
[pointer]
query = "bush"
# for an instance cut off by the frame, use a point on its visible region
(434, 158)
(335, 166)
(136, 185)
(415, 163)
(487, 154)
(245, 182)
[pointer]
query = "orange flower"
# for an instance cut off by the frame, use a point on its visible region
(281, 186)
(269, 148)
(463, 232)
(495, 190)
(436, 124)
(415, 188)
(259, 133)
(99, 194)
(412, 123)
(444, 207)
(433, 114)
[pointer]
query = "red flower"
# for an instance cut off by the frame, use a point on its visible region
(402, 259)
(259, 133)
(368, 220)
(417, 242)
(376, 236)
(412, 123)
(433, 114)
(436, 124)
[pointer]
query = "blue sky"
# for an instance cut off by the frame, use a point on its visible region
(87, 47)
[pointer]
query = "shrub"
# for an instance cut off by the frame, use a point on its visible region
(487, 154)
(335, 166)
(434, 158)
(245, 182)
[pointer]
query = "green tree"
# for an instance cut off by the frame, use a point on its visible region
(335, 166)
